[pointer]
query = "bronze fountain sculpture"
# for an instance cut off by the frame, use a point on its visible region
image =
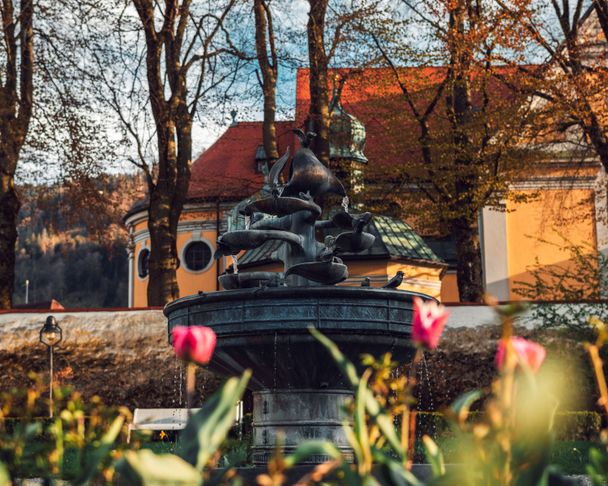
(293, 212)
(262, 319)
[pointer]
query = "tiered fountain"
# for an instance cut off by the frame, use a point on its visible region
(262, 318)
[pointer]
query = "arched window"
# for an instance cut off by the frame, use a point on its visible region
(142, 263)
(197, 255)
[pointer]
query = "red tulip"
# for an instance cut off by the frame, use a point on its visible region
(429, 321)
(194, 344)
(529, 353)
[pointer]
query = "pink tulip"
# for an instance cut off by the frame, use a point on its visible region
(429, 321)
(194, 344)
(529, 353)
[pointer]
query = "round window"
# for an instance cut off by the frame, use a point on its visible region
(142, 263)
(197, 254)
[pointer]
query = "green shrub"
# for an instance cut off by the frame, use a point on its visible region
(575, 426)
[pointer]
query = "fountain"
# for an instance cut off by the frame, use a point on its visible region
(262, 318)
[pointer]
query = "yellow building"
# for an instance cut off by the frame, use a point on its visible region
(566, 217)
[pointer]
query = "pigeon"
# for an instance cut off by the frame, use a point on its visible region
(366, 282)
(394, 282)
(309, 174)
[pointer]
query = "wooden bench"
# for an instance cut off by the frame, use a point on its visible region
(159, 419)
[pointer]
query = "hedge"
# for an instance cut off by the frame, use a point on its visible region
(568, 425)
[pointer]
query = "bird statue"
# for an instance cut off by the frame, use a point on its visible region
(273, 175)
(357, 240)
(367, 282)
(309, 174)
(327, 253)
(394, 282)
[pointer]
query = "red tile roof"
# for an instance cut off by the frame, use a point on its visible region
(227, 170)
(374, 96)
(43, 305)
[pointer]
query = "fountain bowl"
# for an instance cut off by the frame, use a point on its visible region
(266, 329)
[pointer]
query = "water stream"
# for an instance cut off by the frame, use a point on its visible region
(345, 202)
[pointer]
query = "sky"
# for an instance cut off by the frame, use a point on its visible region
(289, 16)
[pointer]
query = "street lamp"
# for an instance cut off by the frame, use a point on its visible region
(50, 336)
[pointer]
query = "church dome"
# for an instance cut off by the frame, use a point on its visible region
(346, 133)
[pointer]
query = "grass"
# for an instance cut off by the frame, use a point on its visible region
(571, 456)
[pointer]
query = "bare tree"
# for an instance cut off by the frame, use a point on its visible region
(268, 60)
(167, 60)
(16, 104)
(318, 62)
(328, 29)
(575, 79)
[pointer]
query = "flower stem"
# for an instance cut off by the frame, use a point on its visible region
(600, 378)
(410, 438)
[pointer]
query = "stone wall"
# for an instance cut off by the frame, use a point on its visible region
(124, 357)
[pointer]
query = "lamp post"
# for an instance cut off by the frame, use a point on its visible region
(50, 336)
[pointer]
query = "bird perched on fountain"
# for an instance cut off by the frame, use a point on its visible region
(394, 282)
(367, 282)
(309, 174)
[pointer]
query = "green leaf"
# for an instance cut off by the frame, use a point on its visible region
(393, 471)
(5, 478)
(462, 404)
(354, 443)
(313, 448)
(361, 432)
(384, 422)
(101, 452)
(144, 468)
(342, 361)
(434, 456)
(531, 460)
(207, 428)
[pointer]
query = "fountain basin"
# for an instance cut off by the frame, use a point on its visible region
(266, 330)
(297, 386)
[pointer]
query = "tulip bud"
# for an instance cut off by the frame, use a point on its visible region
(194, 344)
(428, 323)
(528, 353)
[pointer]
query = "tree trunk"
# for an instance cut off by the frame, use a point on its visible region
(468, 270)
(459, 109)
(319, 98)
(269, 128)
(167, 200)
(16, 95)
(9, 208)
(162, 278)
(597, 138)
(264, 38)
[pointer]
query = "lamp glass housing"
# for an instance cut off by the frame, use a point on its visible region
(51, 334)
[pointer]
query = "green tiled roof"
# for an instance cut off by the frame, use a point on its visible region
(401, 240)
(394, 239)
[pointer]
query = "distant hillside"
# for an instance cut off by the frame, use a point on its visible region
(72, 244)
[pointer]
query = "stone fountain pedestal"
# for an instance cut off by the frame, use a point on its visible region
(298, 389)
(294, 416)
